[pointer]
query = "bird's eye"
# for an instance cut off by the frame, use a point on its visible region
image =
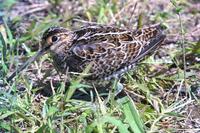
(54, 38)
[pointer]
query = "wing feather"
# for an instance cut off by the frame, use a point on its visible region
(114, 50)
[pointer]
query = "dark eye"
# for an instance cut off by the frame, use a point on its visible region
(54, 39)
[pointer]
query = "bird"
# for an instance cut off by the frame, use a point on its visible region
(109, 51)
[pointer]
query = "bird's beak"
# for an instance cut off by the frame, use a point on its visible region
(27, 63)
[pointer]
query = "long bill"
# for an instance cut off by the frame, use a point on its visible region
(27, 63)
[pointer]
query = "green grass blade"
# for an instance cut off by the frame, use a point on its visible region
(108, 119)
(122, 127)
(3, 51)
(132, 115)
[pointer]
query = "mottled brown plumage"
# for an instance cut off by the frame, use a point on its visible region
(110, 51)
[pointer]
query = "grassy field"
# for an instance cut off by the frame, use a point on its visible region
(160, 95)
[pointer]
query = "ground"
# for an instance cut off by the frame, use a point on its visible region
(160, 95)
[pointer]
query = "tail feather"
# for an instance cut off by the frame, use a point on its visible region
(155, 37)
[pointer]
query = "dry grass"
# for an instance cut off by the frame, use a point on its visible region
(160, 95)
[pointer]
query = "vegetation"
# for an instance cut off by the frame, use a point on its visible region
(160, 95)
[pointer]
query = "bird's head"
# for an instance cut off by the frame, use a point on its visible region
(56, 36)
(51, 39)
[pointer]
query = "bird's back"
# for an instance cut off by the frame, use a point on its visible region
(110, 51)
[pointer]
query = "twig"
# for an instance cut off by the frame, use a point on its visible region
(118, 15)
(133, 93)
(85, 22)
(35, 8)
(179, 89)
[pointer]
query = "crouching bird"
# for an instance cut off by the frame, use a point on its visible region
(109, 51)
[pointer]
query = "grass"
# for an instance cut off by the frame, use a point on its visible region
(155, 101)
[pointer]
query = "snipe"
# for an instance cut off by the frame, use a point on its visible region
(110, 51)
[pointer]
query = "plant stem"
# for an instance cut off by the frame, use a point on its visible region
(183, 47)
